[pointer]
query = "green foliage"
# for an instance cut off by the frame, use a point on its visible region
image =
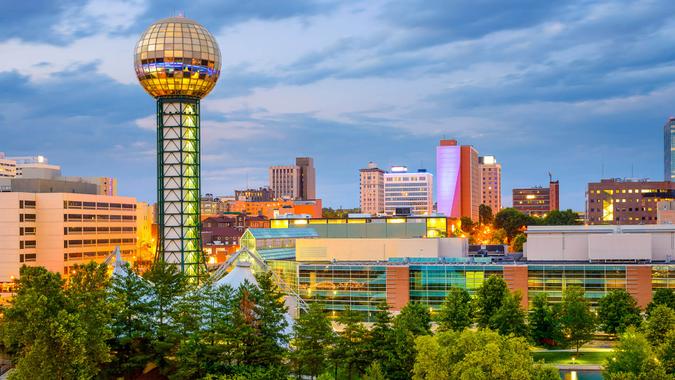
(312, 339)
(560, 218)
(329, 212)
(482, 354)
(658, 324)
(618, 310)
(485, 214)
(666, 352)
(512, 221)
(542, 371)
(466, 224)
(662, 296)
(380, 335)
(633, 357)
(545, 328)
(519, 242)
(413, 321)
(456, 312)
(374, 372)
(510, 317)
(489, 298)
(576, 318)
(351, 345)
(58, 333)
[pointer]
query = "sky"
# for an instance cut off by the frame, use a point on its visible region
(580, 89)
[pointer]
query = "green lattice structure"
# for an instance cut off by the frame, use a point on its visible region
(178, 185)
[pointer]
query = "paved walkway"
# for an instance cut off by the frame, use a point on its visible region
(578, 367)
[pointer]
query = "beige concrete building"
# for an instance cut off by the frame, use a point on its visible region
(597, 243)
(7, 167)
(408, 191)
(491, 182)
(285, 181)
(59, 230)
(355, 249)
(371, 189)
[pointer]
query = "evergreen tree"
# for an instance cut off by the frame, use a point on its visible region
(380, 335)
(271, 313)
(312, 339)
(167, 286)
(662, 296)
(456, 312)
(666, 352)
(131, 324)
(350, 348)
(510, 317)
(617, 310)
(545, 326)
(489, 298)
(577, 320)
(413, 321)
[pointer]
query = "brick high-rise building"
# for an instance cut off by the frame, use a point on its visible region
(371, 194)
(626, 201)
(537, 201)
(458, 180)
(294, 181)
(491, 183)
(669, 150)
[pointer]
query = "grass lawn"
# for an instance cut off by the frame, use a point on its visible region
(555, 357)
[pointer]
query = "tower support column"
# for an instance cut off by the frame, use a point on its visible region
(178, 184)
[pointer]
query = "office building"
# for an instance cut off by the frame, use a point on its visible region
(60, 230)
(408, 192)
(669, 150)
(277, 208)
(626, 201)
(221, 234)
(491, 182)
(262, 194)
(307, 178)
(7, 167)
(458, 180)
(294, 181)
(537, 201)
(665, 212)
(371, 190)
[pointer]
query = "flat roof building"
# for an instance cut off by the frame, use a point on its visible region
(458, 180)
(491, 182)
(537, 201)
(371, 189)
(626, 201)
(409, 191)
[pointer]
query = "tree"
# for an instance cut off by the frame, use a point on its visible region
(662, 296)
(456, 312)
(379, 338)
(271, 314)
(545, 326)
(561, 218)
(510, 317)
(658, 324)
(413, 321)
(86, 291)
(312, 338)
(131, 324)
(576, 318)
(617, 310)
(466, 224)
(512, 221)
(167, 285)
(41, 327)
(633, 358)
(519, 242)
(489, 298)
(350, 347)
(374, 372)
(666, 352)
(481, 354)
(485, 214)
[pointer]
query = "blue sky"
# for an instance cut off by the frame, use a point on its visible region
(577, 88)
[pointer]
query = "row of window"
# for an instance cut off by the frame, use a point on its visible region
(92, 255)
(92, 217)
(90, 242)
(96, 230)
(27, 257)
(28, 231)
(27, 217)
(27, 244)
(27, 204)
(77, 205)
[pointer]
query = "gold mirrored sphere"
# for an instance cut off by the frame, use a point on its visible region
(177, 56)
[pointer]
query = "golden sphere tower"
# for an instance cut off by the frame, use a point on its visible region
(177, 61)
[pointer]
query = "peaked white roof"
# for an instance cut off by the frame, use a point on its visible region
(241, 272)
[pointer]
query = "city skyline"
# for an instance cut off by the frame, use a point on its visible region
(579, 90)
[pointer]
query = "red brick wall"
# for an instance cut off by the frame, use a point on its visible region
(398, 287)
(639, 283)
(516, 280)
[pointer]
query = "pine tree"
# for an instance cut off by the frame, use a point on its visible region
(131, 325)
(379, 339)
(350, 346)
(312, 339)
(271, 312)
(413, 321)
(456, 312)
